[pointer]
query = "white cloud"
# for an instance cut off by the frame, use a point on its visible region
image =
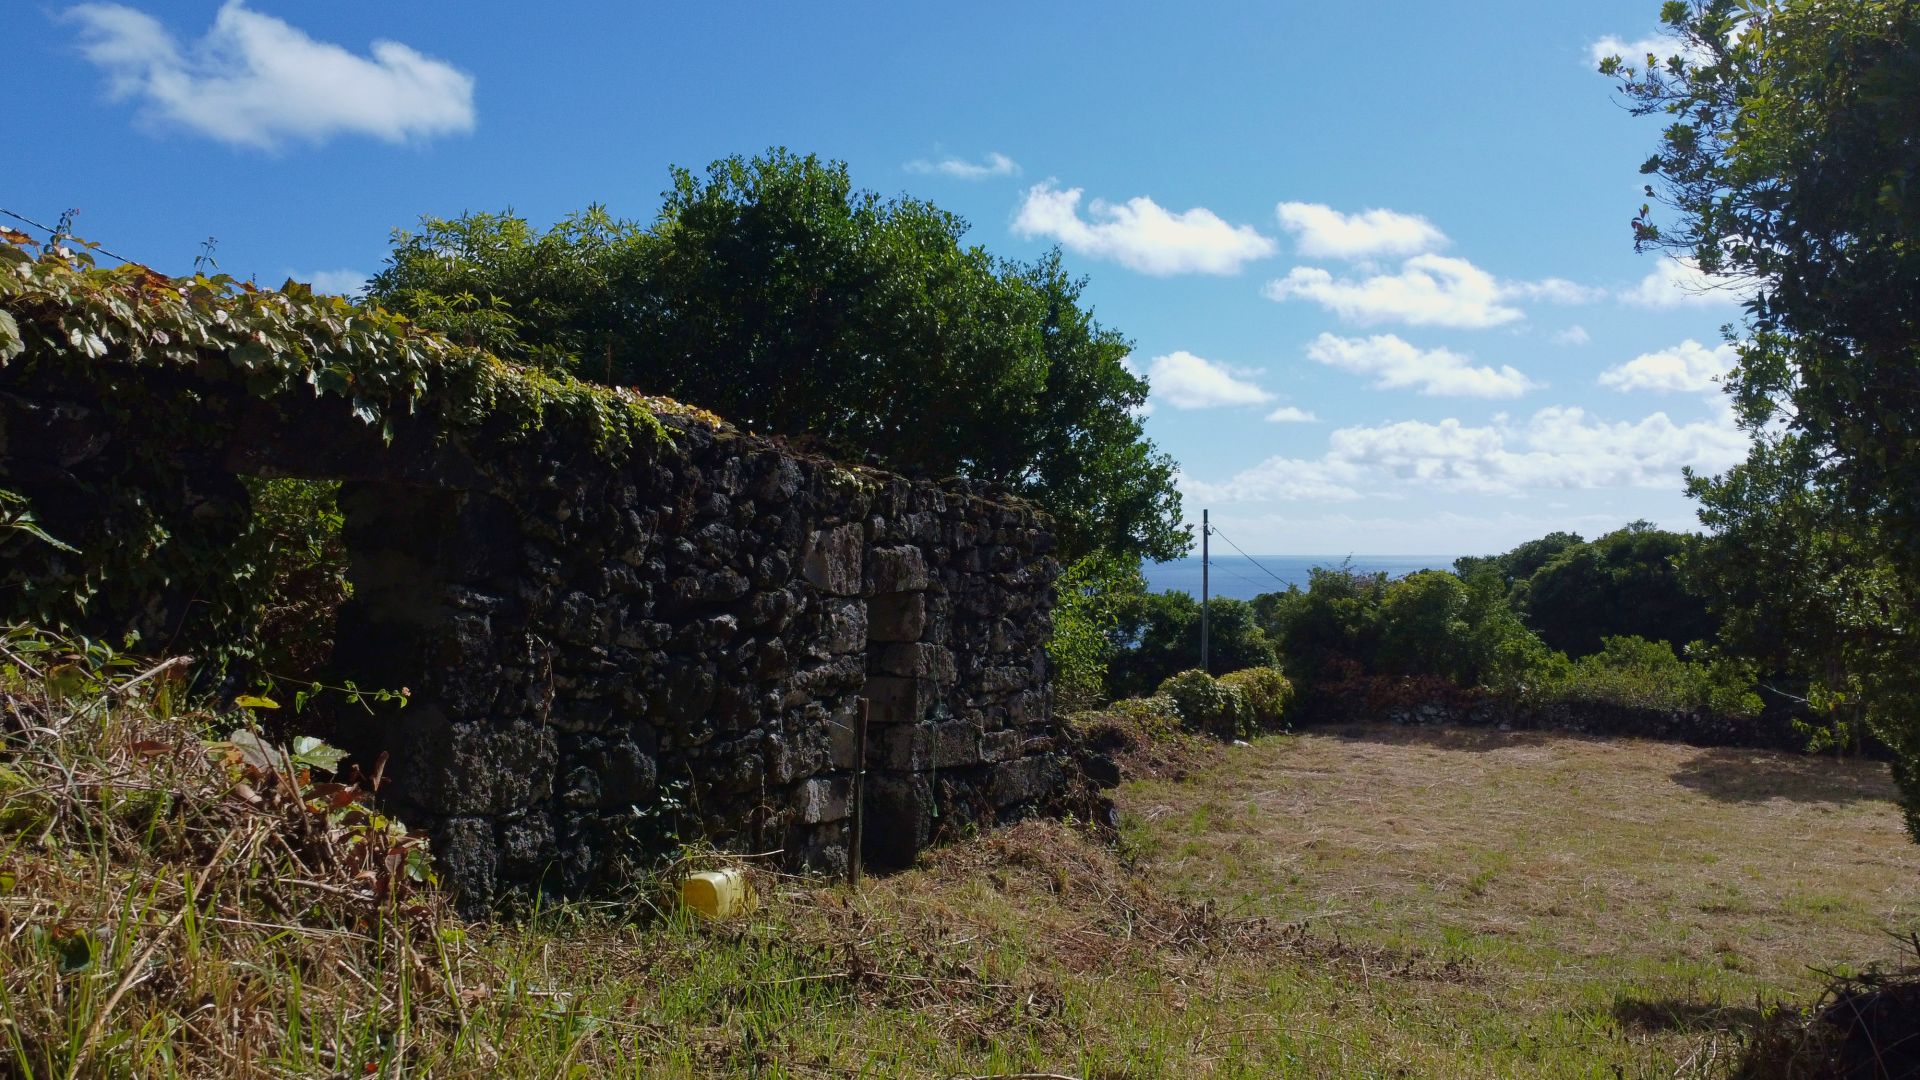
(1552, 290)
(1559, 447)
(1429, 290)
(1398, 365)
(1186, 381)
(1139, 234)
(1573, 335)
(1320, 231)
(253, 80)
(994, 164)
(1291, 414)
(1679, 282)
(335, 282)
(1686, 368)
(1634, 53)
(1279, 479)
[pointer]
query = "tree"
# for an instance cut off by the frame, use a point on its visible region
(776, 294)
(1625, 583)
(1159, 635)
(1789, 161)
(1519, 564)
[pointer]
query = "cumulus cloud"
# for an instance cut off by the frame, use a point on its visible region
(1322, 232)
(1573, 335)
(1279, 479)
(1140, 234)
(1396, 364)
(1686, 368)
(1679, 282)
(1662, 47)
(1186, 381)
(254, 80)
(994, 164)
(1428, 290)
(1291, 414)
(1558, 448)
(335, 282)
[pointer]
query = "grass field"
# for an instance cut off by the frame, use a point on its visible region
(1372, 902)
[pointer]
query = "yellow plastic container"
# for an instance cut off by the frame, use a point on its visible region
(717, 894)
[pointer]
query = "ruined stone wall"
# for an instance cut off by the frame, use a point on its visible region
(603, 652)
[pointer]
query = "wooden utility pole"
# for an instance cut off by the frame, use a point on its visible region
(1205, 529)
(859, 793)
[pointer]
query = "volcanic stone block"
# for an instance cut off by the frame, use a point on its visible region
(898, 569)
(897, 617)
(822, 799)
(916, 659)
(1025, 780)
(899, 819)
(899, 701)
(833, 560)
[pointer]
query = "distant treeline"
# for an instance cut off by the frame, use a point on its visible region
(1615, 618)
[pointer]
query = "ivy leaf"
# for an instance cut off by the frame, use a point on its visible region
(11, 343)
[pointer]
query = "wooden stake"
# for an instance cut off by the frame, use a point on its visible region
(859, 793)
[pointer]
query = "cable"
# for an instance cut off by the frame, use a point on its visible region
(55, 233)
(1251, 559)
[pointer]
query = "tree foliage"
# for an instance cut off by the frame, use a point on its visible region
(1625, 583)
(1789, 161)
(774, 292)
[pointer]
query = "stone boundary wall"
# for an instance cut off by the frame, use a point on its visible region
(603, 652)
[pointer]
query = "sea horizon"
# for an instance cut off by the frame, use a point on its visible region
(1243, 577)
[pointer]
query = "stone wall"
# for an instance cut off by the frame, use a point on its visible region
(603, 651)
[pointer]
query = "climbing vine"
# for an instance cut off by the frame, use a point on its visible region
(147, 547)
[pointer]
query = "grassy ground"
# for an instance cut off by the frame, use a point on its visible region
(1622, 904)
(1379, 902)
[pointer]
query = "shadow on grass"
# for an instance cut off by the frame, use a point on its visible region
(1733, 775)
(1461, 737)
(1649, 1015)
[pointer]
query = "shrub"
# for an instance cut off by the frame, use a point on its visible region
(1206, 703)
(1267, 693)
(1089, 597)
(1650, 674)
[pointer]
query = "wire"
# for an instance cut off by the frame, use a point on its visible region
(55, 233)
(1251, 559)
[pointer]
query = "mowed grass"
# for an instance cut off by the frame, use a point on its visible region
(1624, 905)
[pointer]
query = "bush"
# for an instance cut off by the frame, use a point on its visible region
(1205, 702)
(1089, 598)
(1646, 674)
(1267, 693)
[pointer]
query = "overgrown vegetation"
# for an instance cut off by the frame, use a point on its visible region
(774, 292)
(255, 575)
(1786, 164)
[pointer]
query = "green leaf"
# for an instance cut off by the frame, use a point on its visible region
(251, 701)
(11, 343)
(316, 754)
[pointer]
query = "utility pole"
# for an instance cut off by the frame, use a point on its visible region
(1205, 530)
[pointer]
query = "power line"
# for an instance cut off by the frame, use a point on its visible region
(1251, 559)
(56, 234)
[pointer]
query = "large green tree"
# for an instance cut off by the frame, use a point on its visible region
(775, 293)
(1790, 161)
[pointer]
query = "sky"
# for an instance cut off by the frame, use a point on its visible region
(1374, 258)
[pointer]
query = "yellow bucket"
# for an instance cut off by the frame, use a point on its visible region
(717, 894)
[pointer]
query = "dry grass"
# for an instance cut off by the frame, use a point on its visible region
(1649, 899)
(1388, 904)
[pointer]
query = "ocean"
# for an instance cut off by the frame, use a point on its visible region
(1244, 578)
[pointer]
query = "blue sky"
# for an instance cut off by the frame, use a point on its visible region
(1375, 258)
